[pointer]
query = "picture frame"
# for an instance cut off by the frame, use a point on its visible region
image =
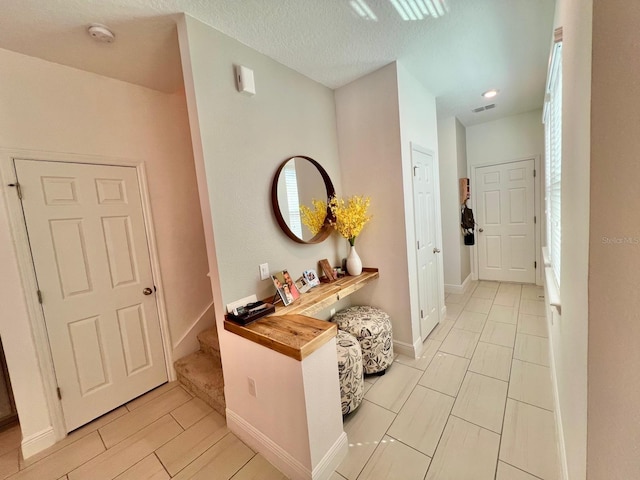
(312, 277)
(302, 284)
(328, 270)
(285, 287)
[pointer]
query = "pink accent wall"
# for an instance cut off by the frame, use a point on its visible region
(613, 419)
(46, 107)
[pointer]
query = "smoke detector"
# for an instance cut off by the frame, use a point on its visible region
(100, 33)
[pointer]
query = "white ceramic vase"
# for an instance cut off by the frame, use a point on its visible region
(354, 264)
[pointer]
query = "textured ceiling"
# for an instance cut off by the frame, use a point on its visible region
(477, 45)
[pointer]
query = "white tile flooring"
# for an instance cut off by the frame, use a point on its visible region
(477, 405)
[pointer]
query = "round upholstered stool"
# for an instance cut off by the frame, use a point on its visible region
(349, 371)
(372, 327)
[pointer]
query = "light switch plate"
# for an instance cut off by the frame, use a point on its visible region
(264, 271)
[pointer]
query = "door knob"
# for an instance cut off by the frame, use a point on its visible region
(147, 291)
(436, 250)
(481, 230)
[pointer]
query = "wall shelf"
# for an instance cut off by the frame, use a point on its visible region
(326, 294)
(291, 330)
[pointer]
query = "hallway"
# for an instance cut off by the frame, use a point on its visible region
(477, 405)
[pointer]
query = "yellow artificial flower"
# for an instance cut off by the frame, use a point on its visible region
(314, 219)
(350, 217)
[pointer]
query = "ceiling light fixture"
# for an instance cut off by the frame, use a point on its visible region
(490, 93)
(411, 10)
(415, 9)
(101, 33)
(363, 10)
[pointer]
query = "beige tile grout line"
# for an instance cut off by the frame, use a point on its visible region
(413, 390)
(513, 350)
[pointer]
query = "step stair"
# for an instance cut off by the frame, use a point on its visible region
(201, 371)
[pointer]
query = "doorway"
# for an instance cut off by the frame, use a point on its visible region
(86, 230)
(428, 251)
(505, 200)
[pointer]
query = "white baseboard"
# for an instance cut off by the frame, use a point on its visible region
(38, 442)
(332, 459)
(411, 351)
(562, 451)
(460, 289)
(188, 342)
(280, 458)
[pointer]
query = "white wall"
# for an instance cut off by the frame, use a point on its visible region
(569, 333)
(244, 139)
(614, 302)
(239, 142)
(509, 138)
(452, 143)
(461, 153)
(418, 126)
(371, 160)
(51, 108)
(379, 115)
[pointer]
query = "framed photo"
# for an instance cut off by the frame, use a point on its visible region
(302, 285)
(286, 287)
(312, 278)
(328, 270)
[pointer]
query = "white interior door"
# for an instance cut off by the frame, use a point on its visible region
(427, 248)
(86, 232)
(505, 218)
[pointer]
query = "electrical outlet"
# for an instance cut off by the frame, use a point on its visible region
(333, 312)
(252, 386)
(264, 271)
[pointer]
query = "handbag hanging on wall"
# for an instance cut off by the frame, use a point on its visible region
(468, 225)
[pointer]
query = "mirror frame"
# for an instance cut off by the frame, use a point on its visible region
(325, 231)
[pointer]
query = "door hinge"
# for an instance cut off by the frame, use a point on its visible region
(534, 173)
(535, 264)
(39, 297)
(421, 313)
(18, 189)
(535, 219)
(418, 243)
(59, 393)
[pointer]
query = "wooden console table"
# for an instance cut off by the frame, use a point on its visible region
(290, 330)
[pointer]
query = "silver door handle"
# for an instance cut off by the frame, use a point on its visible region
(481, 230)
(436, 250)
(147, 291)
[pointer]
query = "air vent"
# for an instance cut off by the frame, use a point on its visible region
(482, 109)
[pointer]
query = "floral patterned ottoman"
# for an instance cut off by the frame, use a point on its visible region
(349, 371)
(372, 327)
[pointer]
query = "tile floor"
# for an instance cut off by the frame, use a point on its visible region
(477, 405)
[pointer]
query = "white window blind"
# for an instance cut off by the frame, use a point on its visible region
(293, 200)
(553, 160)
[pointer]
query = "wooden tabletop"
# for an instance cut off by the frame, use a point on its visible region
(295, 336)
(290, 330)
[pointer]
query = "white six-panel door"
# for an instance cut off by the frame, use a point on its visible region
(86, 230)
(505, 216)
(426, 216)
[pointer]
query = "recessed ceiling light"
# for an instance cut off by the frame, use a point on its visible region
(490, 93)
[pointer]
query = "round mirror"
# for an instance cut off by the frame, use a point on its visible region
(297, 183)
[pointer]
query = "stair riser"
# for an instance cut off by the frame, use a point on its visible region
(215, 398)
(209, 350)
(208, 340)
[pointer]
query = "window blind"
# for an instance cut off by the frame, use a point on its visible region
(553, 160)
(293, 200)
